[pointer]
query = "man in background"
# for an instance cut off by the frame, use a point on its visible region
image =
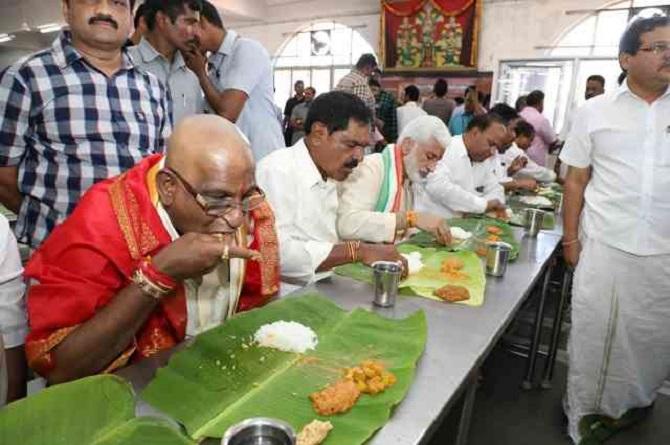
(410, 110)
(385, 111)
(140, 26)
(545, 136)
(299, 115)
(237, 81)
(74, 114)
(356, 82)
(595, 86)
(170, 31)
(299, 88)
(439, 104)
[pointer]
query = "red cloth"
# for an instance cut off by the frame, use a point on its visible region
(92, 255)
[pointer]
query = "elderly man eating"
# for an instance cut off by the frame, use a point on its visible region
(376, 202)
(153, 255)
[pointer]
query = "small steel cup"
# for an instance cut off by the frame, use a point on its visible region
(386, 280)
(259, 431)
(534, 220)
(497, 257)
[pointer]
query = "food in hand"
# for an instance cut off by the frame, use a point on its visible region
(314, 433)
(452, 293)
(371, 377)
(336, 398)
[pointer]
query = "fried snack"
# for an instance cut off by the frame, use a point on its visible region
(482, 251)
(370, 377)
(492, 238)
(336, 398)
(451, 267)
(314, 433)
(452, 293)
(494, 230)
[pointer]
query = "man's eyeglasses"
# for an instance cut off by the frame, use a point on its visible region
(657, 48)
(222, 207)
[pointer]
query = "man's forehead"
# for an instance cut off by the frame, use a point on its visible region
(660, 33)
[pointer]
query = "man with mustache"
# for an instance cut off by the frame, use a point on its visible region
(171, 30)
(376, 202)
(616, 231)
(153, 256)
(301, 185)
(75, 114)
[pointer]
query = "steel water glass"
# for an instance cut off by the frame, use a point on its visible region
(497, 257)
(534, 220)
(386, 280)
(259, 431)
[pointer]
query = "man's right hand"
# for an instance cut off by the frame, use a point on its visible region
(494, 205)
(571, 253)
(371, 253)
(517, 164)
(196, 254)
(436, 225)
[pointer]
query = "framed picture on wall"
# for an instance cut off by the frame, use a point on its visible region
(435, 35)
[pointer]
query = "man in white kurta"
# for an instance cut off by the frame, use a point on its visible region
(376, 202)
(617, 232)
(465, 180)
(300, 182)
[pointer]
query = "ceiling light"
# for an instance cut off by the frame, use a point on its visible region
(6, 38)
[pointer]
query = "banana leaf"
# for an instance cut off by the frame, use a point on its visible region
(96, 410)
(429, 278)
(222, 378)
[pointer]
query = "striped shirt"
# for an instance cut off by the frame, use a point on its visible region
(66, 126)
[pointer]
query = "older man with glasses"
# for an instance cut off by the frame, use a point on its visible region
(150, 257)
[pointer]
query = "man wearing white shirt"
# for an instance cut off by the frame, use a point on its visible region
(300, 183)
(524, 136)
(237, 81)
(617, 234)
(13, 320)
(411, 109)
(465, 180)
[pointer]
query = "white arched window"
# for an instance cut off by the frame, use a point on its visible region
(598, 34)
(320, 55)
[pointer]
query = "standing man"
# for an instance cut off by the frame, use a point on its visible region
(617, 234)
(140, 26)
(595, 86)
(301, 185)
(238, 84)
(545, 136)
(75, 114)
(299, 88)
(440, 105)
(410, 109)
(170, 29)
(385, 110)
(356, 82)
(299, 115)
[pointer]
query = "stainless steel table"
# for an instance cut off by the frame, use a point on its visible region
(459, 339)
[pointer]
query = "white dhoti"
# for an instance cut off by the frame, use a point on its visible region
(619, 348)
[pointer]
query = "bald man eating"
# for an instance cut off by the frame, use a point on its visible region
(173, 247)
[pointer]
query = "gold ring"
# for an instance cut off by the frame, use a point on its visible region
(226, 252)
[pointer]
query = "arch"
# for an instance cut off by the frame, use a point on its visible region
(319, 53)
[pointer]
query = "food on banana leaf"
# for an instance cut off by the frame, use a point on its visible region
(459, 234)
(501, 214)
(336, 398)
(452, 293)
(287, 336)
(414, 263)
(371, 377)
(494, 230)
(314, 433)
(536, 201)
(492, 238)
(452, 268)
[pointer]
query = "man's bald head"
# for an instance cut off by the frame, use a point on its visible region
(205, 143)
(210, 157)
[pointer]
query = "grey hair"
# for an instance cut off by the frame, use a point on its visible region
(423, 128)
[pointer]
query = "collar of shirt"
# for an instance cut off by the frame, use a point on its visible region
(66, 54)
(625, 89)
(226, 49)
(310, 174)
(148, 53)
(411, 104)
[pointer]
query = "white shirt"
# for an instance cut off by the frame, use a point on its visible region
(13, 320)
(407, 113)
(532, 168)
(626, 142)
(186, 95)
(458, 185)
(244, 65)
(305, 208)
(500, 167)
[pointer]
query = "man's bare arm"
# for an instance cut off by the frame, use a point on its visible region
(573, 202)
(10, 196)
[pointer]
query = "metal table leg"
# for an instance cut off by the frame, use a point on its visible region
(537, 331)
(556, 331)
(468, 407)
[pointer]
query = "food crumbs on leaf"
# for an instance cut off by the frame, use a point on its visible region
(314, 433)
(262, 359)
